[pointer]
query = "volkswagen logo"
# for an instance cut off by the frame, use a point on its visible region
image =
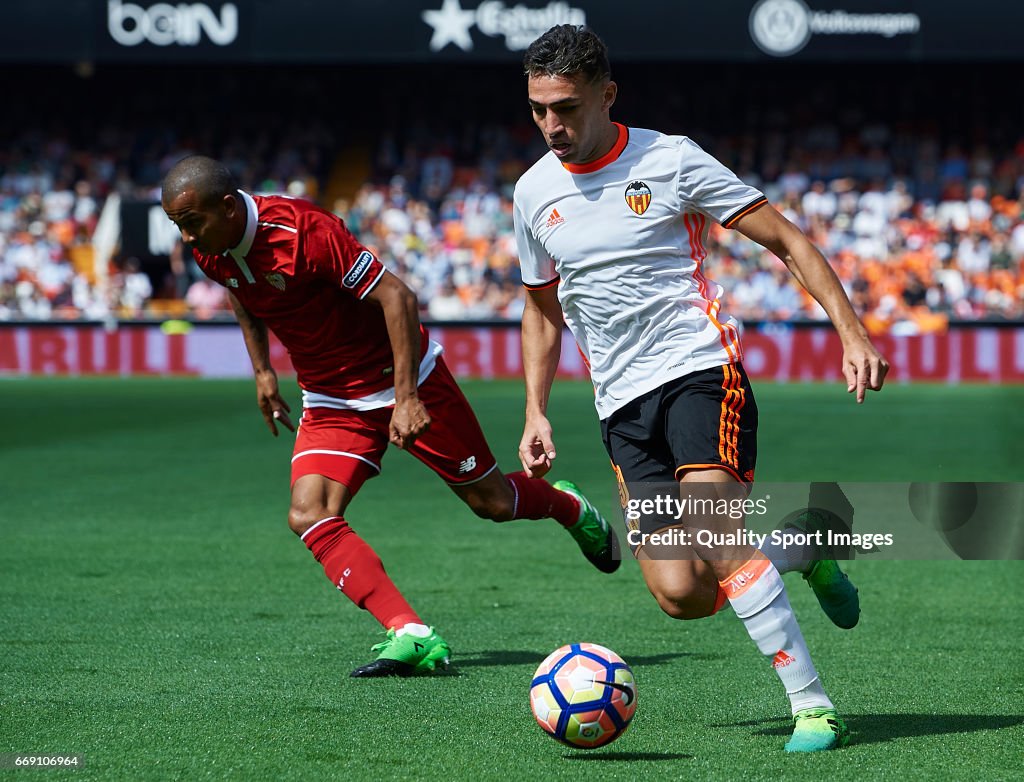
(780, 27)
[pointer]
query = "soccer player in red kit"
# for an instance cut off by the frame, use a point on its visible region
(369, 375)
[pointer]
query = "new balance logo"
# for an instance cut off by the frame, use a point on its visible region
(467, 465)
(554, 218)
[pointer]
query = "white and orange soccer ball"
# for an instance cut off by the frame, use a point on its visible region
(584, 695)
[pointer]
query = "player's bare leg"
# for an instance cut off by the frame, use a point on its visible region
(316, 515)
(517, 496)
(684, 588)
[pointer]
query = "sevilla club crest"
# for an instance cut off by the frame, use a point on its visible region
(638, 196)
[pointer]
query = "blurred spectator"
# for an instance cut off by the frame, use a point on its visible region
(131, 289)
(206, 299)
(446, 305)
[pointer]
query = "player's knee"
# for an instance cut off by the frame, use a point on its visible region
(301, 518)
(683, 605)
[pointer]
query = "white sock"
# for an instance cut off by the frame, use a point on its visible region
(810, 697)
(759, 599)
(790, 558)
(412, 628)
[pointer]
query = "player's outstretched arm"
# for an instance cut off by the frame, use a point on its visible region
(863, 366)
(542, 345)
(268, 396)
(401, 313)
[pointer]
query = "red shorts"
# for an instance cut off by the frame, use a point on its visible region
(347, 445)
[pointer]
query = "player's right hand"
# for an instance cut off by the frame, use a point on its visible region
(537, 448)
(864, 367)
(273, 406)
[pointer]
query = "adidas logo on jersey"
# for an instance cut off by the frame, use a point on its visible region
(554, 218)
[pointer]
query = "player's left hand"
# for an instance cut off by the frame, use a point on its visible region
(864, 368)
(409, 420)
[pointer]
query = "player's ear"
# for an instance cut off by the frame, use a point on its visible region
(230, 205)
(611, 90)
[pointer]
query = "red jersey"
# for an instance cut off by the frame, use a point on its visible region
(300, 271)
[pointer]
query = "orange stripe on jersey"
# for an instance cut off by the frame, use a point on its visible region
(693, 227)
(741, 401)
(698, 466)
(623, 489)
(731, 221)
(731, 332)
(724, 415)
(610, 156)
(725, 422)
(745, 576)
(586, 361)
(736, 399)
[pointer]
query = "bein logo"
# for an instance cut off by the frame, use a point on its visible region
(163, 24)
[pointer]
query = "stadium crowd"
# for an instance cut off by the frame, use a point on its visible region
(920, 225)
(909, 264)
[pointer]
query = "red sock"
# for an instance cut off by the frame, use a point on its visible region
(355, 568)
(538, 499)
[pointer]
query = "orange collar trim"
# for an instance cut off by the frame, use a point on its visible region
(610, 156)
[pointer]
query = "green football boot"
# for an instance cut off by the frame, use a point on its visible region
(592, 533)
(816, 730)
(836, 595)
(406, 655)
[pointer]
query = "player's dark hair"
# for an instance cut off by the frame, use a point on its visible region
(567, 50)
(210, 179)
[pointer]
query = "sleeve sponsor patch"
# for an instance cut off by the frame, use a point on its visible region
(358, 271)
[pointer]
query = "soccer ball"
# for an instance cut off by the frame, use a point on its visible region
(584, 695)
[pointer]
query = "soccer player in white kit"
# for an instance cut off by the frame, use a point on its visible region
(611, 227)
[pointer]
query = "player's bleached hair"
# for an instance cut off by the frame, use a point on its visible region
(210, 179)
(567, 50)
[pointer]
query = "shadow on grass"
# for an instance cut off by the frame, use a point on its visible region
(607, 756)
(493, 657)
(878, 728)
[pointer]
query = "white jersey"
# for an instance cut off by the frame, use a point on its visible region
(624, 239)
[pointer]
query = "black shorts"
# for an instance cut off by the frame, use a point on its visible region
(704, 419)
(707, 419)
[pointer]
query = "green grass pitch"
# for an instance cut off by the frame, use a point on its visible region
(157, 616)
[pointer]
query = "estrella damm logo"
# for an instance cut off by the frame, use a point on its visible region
(638, 196)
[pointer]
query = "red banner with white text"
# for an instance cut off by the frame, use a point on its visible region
(969, 354)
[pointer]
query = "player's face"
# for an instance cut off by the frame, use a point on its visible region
(572, 114)
(210, 228)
